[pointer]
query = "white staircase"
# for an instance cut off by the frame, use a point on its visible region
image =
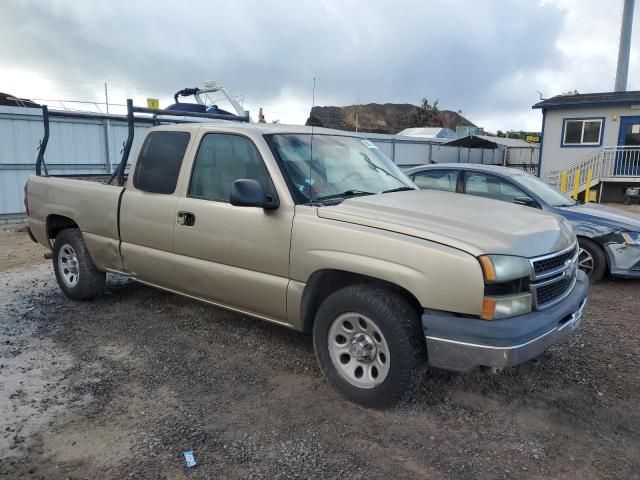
(605, 164)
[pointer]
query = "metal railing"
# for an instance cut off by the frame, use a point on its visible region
(598, 164)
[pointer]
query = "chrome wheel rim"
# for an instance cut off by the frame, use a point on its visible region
(358, 350)
(68, 265)
(585, 261)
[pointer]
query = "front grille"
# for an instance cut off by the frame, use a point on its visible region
(548, 265)
(554, 277)
(548, 293)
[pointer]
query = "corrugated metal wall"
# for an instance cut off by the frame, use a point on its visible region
(76, 146)
(409, 151)
(92, 144)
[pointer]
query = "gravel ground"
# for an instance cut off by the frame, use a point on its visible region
(120, 386)
(633, 208)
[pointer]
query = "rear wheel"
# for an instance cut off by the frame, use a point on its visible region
(591, 260)
(369, 345)
(75, 271)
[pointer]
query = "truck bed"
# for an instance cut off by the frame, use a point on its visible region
(87, 202)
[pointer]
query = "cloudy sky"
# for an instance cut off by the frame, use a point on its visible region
(486, 58)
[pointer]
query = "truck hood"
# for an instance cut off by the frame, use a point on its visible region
(473, 224)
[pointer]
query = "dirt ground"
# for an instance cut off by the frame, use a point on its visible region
(17, 249)
(119, 387)
(635, 208)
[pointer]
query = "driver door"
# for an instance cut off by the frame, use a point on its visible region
(233, 256)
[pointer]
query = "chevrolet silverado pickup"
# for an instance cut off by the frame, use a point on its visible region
(317, 230)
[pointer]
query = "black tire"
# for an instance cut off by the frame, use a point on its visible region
(89, 281)
(599, 259)
(400, 327)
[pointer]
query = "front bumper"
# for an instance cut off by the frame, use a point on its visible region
(624, 260)
(461, 344)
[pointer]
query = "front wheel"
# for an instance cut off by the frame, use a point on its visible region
(76, 273)
(369, 345)
(591, 260)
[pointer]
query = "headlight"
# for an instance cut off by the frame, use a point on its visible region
(503, 268)
(631, 238)
(504, 306)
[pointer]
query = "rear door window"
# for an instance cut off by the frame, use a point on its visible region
(437, 180)
(160, 160)
(490, 186)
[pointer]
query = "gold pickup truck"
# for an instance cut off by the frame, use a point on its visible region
(317, 230)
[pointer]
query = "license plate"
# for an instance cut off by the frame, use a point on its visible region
(576, 331)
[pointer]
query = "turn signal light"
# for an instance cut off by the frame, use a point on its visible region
(488, 308)
(505, 306)
(487, 268)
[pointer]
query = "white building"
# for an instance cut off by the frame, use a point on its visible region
(429, 132)
(597, 132)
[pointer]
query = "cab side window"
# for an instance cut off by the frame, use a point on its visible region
(437, 180)
(221, 160)
(490, 186)
(159, 163)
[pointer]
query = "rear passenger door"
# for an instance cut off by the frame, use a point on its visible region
(234, 256)
(147, 211)
(432, 179)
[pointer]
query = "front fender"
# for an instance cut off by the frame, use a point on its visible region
(438, 276)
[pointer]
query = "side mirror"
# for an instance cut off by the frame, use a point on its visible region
(527, 201)
(249, 193)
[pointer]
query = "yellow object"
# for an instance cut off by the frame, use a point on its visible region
(153, 103)
(593, 196)
(488, 308)
(487, 267)
(532, 138)
(576, 183)
(563, 182)
(587, 190)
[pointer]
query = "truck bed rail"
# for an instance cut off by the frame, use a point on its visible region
(119, 173)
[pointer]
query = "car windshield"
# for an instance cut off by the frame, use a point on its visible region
(323, 168)
(547, 193)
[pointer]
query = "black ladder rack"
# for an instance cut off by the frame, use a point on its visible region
(131, 111)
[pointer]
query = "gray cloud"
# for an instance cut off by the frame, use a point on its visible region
(484, 57)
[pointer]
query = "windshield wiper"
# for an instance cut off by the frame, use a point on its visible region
(399, 189)
(373, 166)
(346, 193)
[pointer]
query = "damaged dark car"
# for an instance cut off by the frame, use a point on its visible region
(609, 238)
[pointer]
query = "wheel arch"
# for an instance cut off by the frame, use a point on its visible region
(323, 283)
(597, 243)
(56, 223)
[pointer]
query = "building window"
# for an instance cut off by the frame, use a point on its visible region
(582, 132)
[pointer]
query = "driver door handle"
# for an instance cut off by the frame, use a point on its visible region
(186, 219)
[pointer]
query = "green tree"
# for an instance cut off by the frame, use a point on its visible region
(426, 115)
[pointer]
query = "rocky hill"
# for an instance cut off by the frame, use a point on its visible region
(377, 118)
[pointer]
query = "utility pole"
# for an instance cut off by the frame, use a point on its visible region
(622, 72)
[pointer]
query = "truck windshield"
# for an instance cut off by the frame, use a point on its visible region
(332, 167)
(547, 193)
